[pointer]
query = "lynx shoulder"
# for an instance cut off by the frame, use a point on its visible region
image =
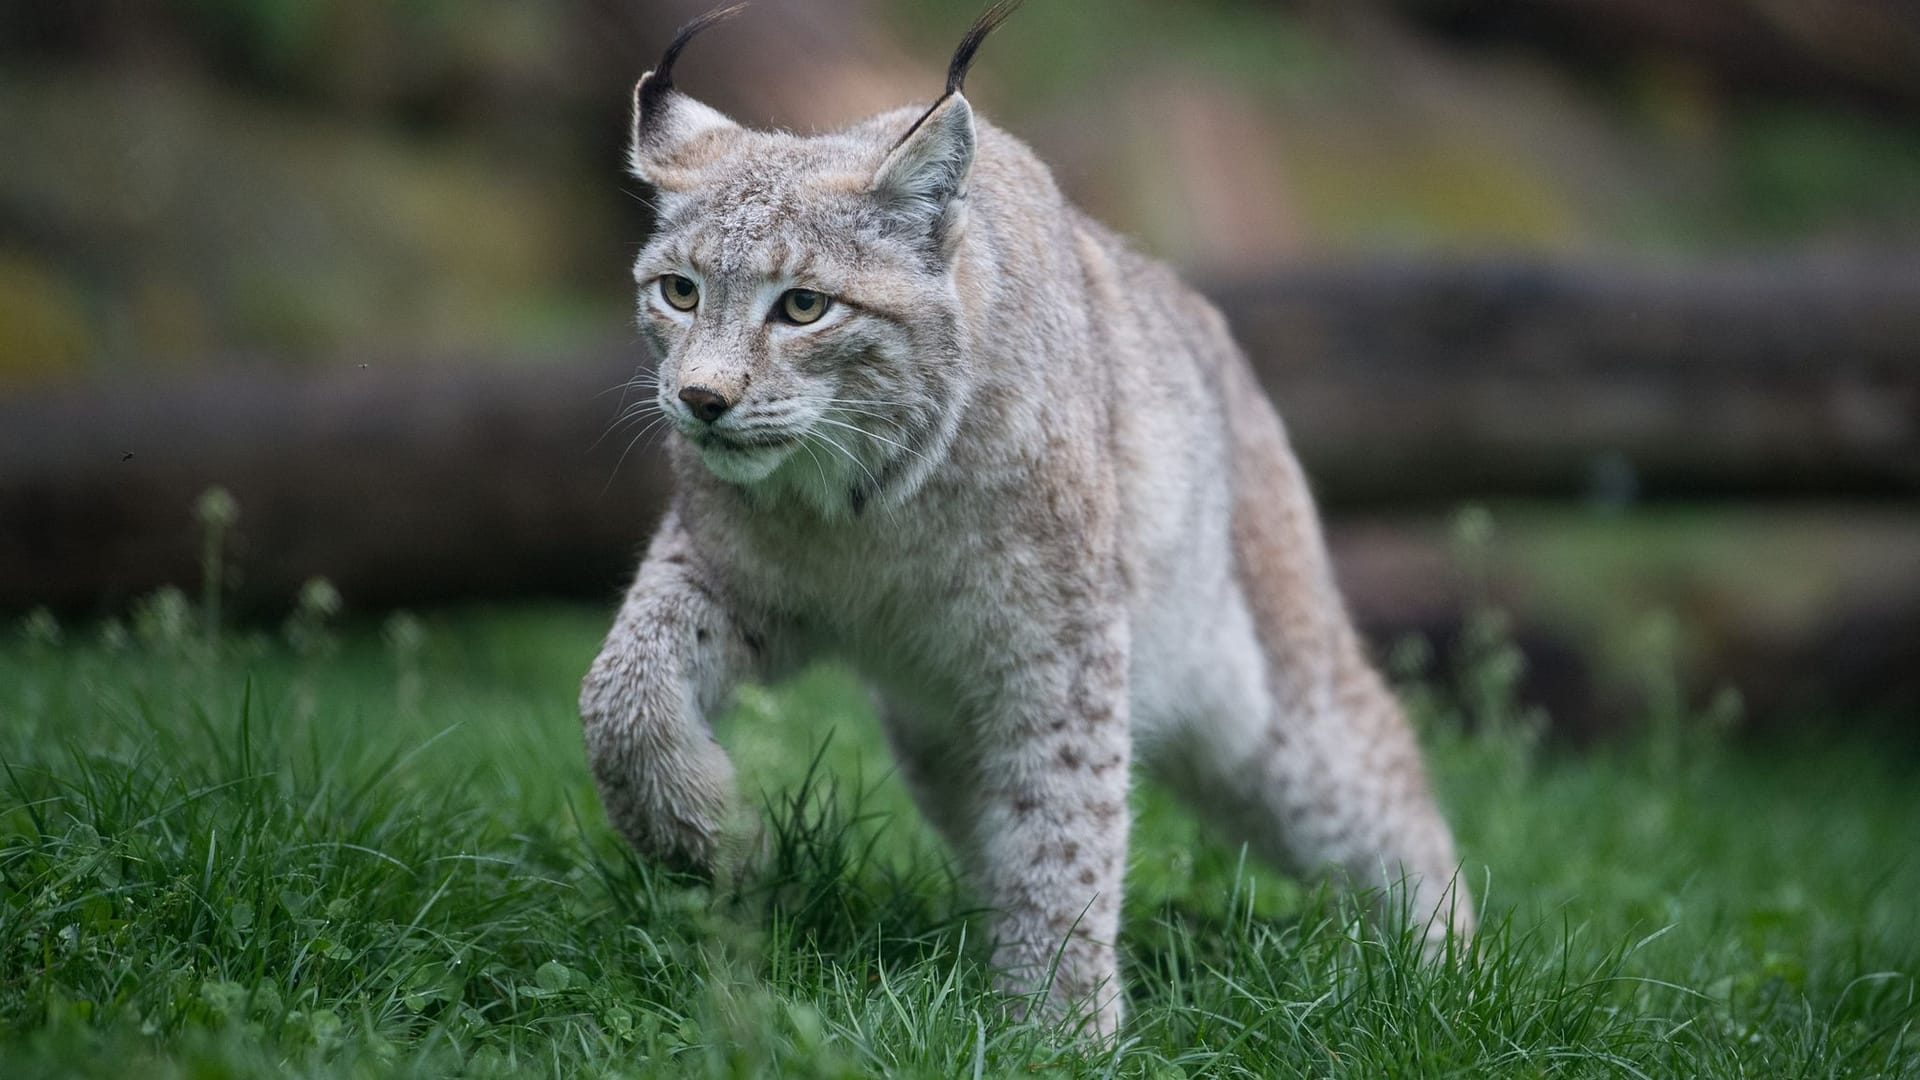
(934, 422)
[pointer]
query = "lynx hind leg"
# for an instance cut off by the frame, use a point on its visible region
(1354, 793)
(1329, 783)
(1321, 771)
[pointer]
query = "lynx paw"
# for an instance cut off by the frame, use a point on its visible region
(679, 806)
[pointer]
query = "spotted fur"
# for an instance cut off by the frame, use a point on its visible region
(1022, 479)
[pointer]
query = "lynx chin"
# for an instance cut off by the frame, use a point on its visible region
(934, 422)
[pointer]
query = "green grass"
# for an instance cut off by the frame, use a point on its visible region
(382, 856)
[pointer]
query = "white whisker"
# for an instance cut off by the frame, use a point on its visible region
(826, 485)
(630, 445)
(639, 379)
(633, 412)
(641, 199)
(887, 417)
(831, 441)
(613, 425)
(876, 438)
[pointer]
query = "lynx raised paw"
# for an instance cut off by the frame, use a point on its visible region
(678, 807)
(669, 789)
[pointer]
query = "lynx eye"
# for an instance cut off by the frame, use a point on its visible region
(680, 292)
(803, 306)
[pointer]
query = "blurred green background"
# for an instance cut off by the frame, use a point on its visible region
(191, 181)
(303, 250)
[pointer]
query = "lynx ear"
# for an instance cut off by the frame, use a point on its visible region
(664, 122)
(923, 181)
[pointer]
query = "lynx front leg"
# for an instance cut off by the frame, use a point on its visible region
(673, 655)
(1051, 841)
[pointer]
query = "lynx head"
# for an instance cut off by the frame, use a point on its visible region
(799, 290)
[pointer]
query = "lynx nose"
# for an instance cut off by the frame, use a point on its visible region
(706, 404)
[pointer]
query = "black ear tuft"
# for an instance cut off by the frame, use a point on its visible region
(657, 86)
(987, 23)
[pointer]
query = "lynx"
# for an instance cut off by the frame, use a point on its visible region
(935, 423)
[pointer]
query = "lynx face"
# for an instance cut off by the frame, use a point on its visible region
(798, 295)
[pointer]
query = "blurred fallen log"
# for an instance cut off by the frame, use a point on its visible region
(1863, 50)
(1404, 385)
(1439, 382)
(401, 484)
